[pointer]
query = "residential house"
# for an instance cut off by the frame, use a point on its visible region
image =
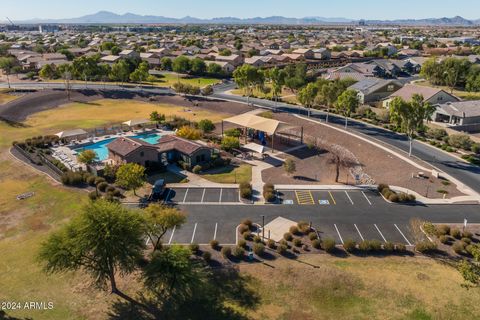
(234, 59)
(462, 113)
(227, 67)
(322, 54)
(129, 54)
(306, 53)
(431, 95)
(373, 90)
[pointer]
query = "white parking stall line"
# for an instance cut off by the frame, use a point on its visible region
(203, 194)
(185, 197)
(215, 233)
(359, 233)
(402, 234)
(381, 234)
(348, 196)
(171, 236)
(148, 241)
(220, 199)
(338, 232)
(193, 234)
(366, 198)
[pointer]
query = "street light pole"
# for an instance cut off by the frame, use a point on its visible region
(263, 226)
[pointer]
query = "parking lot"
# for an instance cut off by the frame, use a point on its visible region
(202, 195)
(328, 198)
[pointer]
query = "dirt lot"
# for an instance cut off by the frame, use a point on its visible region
(380, 165)
(19, 109)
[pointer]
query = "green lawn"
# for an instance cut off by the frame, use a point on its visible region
(231, 174)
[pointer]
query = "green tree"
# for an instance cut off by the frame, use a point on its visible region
(105, 240)
(409, 116)
(157, 117)
(6, 65)
(277, 78)
(141, 73)
(206, 125)
(47, 72)
(181, 64)
(306, 96)
(247, 77)
(347, 103)
(131, 176)
(214, 69)
(166, 63)
(228, 143)
(120, 71)
(207, 91)
(159, 219)
(87, 156)
(198, 66)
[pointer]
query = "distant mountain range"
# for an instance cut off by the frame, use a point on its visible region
(106, 17)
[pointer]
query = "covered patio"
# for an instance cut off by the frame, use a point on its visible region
(262, 129)
(75, 134)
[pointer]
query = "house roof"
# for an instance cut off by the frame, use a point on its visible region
(370, 85)
(126, 145)
(407, 92)
(171, 142)
(462, 109)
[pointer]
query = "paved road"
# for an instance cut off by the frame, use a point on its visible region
(467, 173)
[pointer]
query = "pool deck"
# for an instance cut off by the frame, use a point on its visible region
(68, 156)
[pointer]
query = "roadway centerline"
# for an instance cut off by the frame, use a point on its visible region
(185, 196)
(338, 232)
(358, 232)
(348, 196)
(380, 233)
(171, 236)
(366, 198)
(402, 234)
(193, 234)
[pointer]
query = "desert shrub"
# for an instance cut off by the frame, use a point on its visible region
(466, 240)
(382, 186)
(258, 249)
(226, 252)
(365, 246)
(238, 252)
(294, 230)
(197, 169)
(425, 246)
(393, 197)
(110, 189)
(467, 234)
(247, 235)
(243, 228)
(207, 256)
(470, 249)
(437, 134)
(233, 133)
(458, 247)
(93, 195)
(312, 236)
(242, 243)
(375, 245)
(99, 180)
(284, 242)
(303, 227)
(91, 181)
(297, 242)
(271, 244)
(229, 143)
(288, 236)
(269, 196)
(444, 239)
(443, 230)
(72, 178)
(429, 228)
(257, 239)
(102, 186)
(245, 190)
(247, 222)
(328, 245)
(194, 247)
(189, 133)
(206, 125)
(388, 247)
(400, 248)
(214, 244)
(460, 141)
(282, 249)
(316, 244)
(455, 233)
(349, 245)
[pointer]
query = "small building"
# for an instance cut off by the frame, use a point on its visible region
(371, 90)
(462, 113)
(431, 95)
(171, 148)
(132, 150)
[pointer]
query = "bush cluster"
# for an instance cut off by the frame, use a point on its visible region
(269, 192)
(246, 190)
(425, 246)
(393, 196)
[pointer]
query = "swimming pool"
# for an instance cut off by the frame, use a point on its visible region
(100, 148)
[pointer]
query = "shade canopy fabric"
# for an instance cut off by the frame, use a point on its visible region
(255, 147)
(132, 123)
(71, 133)
(252, 121)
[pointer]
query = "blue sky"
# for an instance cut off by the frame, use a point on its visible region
(368, 9)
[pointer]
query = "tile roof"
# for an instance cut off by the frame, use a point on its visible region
(125, 146)
(171, 142)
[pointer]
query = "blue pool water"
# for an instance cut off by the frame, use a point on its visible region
(100, 148)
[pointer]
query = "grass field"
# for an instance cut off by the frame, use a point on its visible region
(361, 288)
(231, 174)
(93, 114)
(465, 95)
(5, 97)
(286, 95)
